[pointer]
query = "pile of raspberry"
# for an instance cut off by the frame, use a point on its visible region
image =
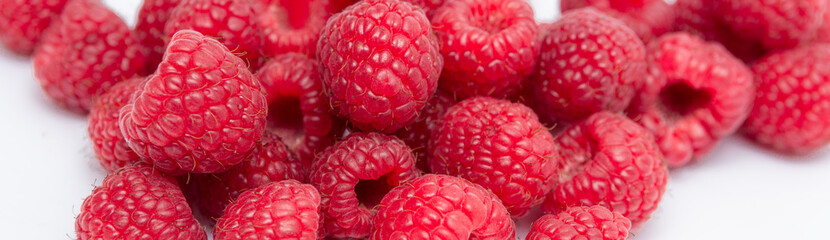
(416, 119)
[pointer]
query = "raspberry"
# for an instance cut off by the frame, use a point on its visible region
(823, 33)
(152, 17)
(595, 222)
(233, 22)
(488, 46)
(380, 63)
(429, 6)
(23, 22)
(416, 136)
(353, 176)
(499, 145)
(300, 112)
(271, 161)
(108, 143)
(87, 50)
(137, 203)
(707, 95)
(291, 25)
(648, 18)
(441, 207)
(699, 17)
(589, 63)
(280, 210)
(610, 161)
(792, 100)
(201, 112)
(335, 6)
(776, 24)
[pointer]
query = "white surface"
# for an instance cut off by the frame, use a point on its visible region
(737, 192)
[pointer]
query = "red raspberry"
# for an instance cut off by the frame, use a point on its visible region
(776, 24)
(699, 17)
(648, 18)
(152, 17)
(441, 207)
(416, 136)
(300, 112)
(335, 6)
(792, 101)
(610, 161)
(280, 210)
(291, 25)
(233, 22)
(380, 63)
(271, 161)
(488, 46)
(499, 145)
(108, 143)
(589, 63)
(354, 174)
(23, 22)
(201, 112)
(87, 50)
(137, 203)
(429, 6)
(595, 222)
(707, 95)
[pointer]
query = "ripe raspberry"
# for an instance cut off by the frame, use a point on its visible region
(354, 174)
(441, 207)
(232, 22)
(499, 145)
(271, 161)
(776, 24)
(488, 46)
(87, 50)
(699, 18)
(648, 18)
(291, 25)
(416, 136)
(108, 143)
(299, 111)
(707, 95)
(792, 101)
(429, 6)
(609, 161)
(23, 22)
(280, 210)
(152, 17)
(595, 222)
(380, 64)
(201, 112)
(137, 202)
(589, 63)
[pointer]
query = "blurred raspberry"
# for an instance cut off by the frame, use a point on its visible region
(86, 51)
(280, 210)
(571, 82)
(441, 207)
(417, 135)
(108, 143)
(792, 102)
(152, 17)
(22, 22)
(231, 22)
(488, 46)
(776, 24)
(648, 18)
(707, 95)
(380, 64)
(271, 161)
(291, 25)
(299, 111)
(609, 160)
(594, 222)
(354, 174)
(201, 112)
(499, 145)
(698, 17)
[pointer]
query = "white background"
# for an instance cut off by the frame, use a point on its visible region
(737, 192)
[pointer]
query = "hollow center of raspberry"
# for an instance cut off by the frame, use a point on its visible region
(286, 119)
(371, 192)
(492, 21)
(295, 14)
(680, 99)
